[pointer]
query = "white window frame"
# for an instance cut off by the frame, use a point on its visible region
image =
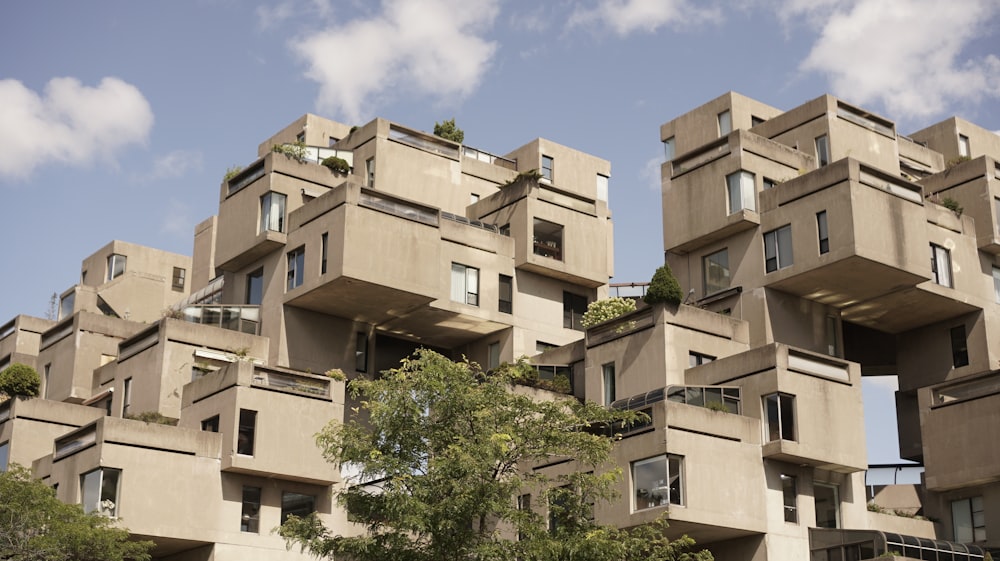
(272, 212)
(778, 252)
(668, 490)
(783, 413)
(790, 497)
(941, 265)
(725, 121)
(822, 150)
(296, 268)
(116, 265)
(464, 284)
(106, 500)
(741, 191)
(964, 149)
(548, 167)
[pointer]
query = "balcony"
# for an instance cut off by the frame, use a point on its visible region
(245, 319)
(975, 186)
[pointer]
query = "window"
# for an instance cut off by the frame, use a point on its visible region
(716, 271)
(608, 375)
(523, 504)
(506, 304)
(823, 232)
(324, 239)
(464, 284)
(697, 359)
(602, 187)
(297, 504)
(742, 195)
(657, 482)
(296, 268)
(272, 212)
(4, 455)
(778, 248)
(178, 279)
(250, 514)
(301, 137)
(963, 146)
(66, 305)
(996, 284)
(116, 266)
(255, 288)
(790, 498)
(559, 502)
(505, 230)
(768, 183)
(493, 355)
(370, 171)
(968, 520)
(45, 380)
(669, 148)
(725, 123)
(779, 410)
(547, 167)
(548, 239)
(247, 432)
(822, 150)
(827, 505)
(99, 491)
(127, 396)
(361, 352)
(959, 347)
(574, 306)
(755, 120)
(210, 424)
(941, 265)
(832, 336)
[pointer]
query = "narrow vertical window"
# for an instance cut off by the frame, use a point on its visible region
(296, 268)
(250, 512)
(324, 239)
(506, 304)
(824, 232)
(832, 336)
(493, 355)
(464, 284)
(127, 396)
(669, 148)
(116, 266)
(725, 123)
(255, 288)
(45, 380)
(524, 505)
(716, 271)
(574, 306)
(657, 481)
(822, 150)
(827, 498)
(4, 455)
(778, 249)
(779, 410)
(247, 432)
(272, 212)
(370, 171)
(941, 265)
(608, 373)
(361, 352)
(547, 164)
(602, 187)
(963, 146)
(179, 278)
(790, 498)
(741, 191)
(959, 347)
(996, 284)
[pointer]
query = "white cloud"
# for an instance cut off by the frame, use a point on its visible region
(626, 16)
(69, 123)
(178, 220)
(650, 173)
(174, 164)
(906, 55)
(423, 47)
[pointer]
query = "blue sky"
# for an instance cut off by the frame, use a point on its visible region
(119, 118)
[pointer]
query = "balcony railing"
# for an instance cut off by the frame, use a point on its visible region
(246, 177)
(619, 327)
(423, 142)
(245, 319)
(475, 223)
(718, 398)
(488, 158)
(398, 208)
(76, 441)
(305, 385)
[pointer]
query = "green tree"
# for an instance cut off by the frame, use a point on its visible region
(664, 287)
(36, 526)
(607, 309)
(449, 131)
(19, 379)
(448, 446)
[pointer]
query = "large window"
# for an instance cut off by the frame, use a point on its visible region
(968, 520)
(725, 123)
(255, 288)
(716, 271)
(959, 347)
(250, 515)
(779, 410)
(823, 231)
(547, 167)
(548, 238)
(741, 191)
(608, 375)
(296, 268)
(941, 265)
(99, 491)
(827, 505)
(272, 212)
(179, 278)
(822, 150)
(790, 498)
(464, 284)
(574, 306)
(116, 265)
(778, 248)
(506, 304)
(658, 482)
(296, 503)
(247, 432)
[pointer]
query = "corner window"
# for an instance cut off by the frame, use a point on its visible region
(548, 238)
(778, 248)
(779, 411)
(715, 268)
(361, 352)
(827, 505)
(116, 266)
(608, 375)
(296, 504)
(669, 148)
(506, 304)
(725, 123)
(179, 278)
(657, 482)
(941, 265)
(99, 491)
(210, 424)
(547, 163)
(370, 171)
(963, 146)
(272, 212)
(823, 232)
(247, 432)
(493, 355)
(574, 306)
(464, 284)
(968, 520)
(790, 498)
(959, 347)
(296, 268)
(255, 288)
(250, 512)
(740, 188)
(822, 150)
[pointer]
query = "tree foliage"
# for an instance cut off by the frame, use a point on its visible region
(607, 309)
(448, 130)
(438, 452)
(19, 379)
(663, 287)
(36, 526)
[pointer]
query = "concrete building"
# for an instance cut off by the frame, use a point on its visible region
(815, 245)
